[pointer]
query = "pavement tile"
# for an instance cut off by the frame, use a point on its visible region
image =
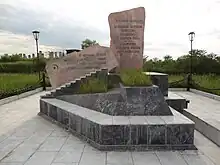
(143, 158)
(68, 157)
(41, 158)
(52, 144)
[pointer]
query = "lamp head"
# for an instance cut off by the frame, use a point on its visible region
(191, 36)
(36, 34)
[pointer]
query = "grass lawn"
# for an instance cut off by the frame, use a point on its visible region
(206, 81)
(174, 78)
(12, 82)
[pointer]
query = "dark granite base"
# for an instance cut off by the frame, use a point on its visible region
(119, 132)
(177, 102)
(131, 147)
(160, 80)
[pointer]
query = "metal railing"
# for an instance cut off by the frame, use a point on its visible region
(40, 83)
(188, 82)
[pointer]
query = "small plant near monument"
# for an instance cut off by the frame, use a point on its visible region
(134, 77)
(93, 85)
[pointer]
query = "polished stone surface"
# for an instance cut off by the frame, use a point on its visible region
(126, 101)
(177, 102)
(22, 134)
(127, 37)
(107, 132)
(161, 80)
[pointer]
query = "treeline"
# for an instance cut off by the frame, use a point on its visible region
(18, 64)
(202, 63)
(15, 58)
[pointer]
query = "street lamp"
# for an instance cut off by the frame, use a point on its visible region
(191, 38)
(36, 37)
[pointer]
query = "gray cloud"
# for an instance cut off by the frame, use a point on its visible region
(58, 33)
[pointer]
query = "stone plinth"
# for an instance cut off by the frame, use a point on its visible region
(106, 132)
(161, 80)
(127, 37)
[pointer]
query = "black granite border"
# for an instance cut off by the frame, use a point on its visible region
(121, 147)
(123, 137)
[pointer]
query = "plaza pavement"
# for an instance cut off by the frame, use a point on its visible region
(28, 139)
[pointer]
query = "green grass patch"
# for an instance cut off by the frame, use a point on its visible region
(207, 83)
(175, 78)
(11, 84)
(93, 85)
(135, 78)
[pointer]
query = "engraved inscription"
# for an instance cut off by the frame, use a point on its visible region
(127, 37)
(128, 34)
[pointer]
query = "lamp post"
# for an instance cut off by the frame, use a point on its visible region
(191, 38)
(36, 37)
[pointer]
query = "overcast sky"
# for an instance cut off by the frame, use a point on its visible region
(65, 23)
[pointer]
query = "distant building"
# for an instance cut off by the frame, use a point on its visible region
(55, 54)
(68, 51)
(60, 54)
(50, 54)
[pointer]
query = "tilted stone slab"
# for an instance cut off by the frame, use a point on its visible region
(108, 103)
(145, 101)
(128, 101)
(75, 65)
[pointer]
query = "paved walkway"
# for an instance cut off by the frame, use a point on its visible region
(203, 107)
(27, 139)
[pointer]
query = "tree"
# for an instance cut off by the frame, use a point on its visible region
(86, 43)
(168, 58)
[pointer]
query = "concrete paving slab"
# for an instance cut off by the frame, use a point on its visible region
(165, 157)
(41, 158)
(143, 158)
(53, 144)
(68, 157)
(51, 138)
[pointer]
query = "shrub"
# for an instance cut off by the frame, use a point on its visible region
(93, 85)
(134, 77)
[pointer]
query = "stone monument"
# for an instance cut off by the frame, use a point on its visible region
(123, 118)
(77, 64)
(127, 37)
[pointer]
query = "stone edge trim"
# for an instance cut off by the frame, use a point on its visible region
(176, 89)
(206, 94)
(209, 131)
(22, 95)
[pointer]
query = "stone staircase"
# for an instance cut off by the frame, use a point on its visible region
(72, 87)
